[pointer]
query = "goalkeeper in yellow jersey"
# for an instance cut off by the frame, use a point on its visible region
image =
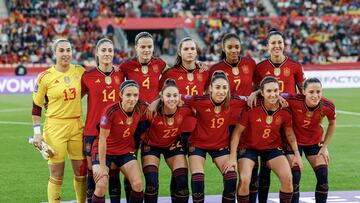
(60, 88)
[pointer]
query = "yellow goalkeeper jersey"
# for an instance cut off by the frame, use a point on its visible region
(61, 92)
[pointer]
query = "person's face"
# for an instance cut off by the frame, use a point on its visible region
(144, 48)
(63, 53)
(276, 45)
(313, 94)
(170, 97)
(105, 53)
(129, 97)
(232, 49)
(271, 93)
(219, 90)
(188, 51)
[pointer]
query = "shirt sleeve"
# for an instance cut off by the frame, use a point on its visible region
(40, 89)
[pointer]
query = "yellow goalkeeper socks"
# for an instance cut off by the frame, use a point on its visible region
(80, 188)
(54, 190)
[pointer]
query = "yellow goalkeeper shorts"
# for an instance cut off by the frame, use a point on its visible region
(65, 137)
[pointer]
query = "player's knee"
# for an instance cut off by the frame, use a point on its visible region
(286, 181)
(151, 178)
(321, 173)
(296, 174)
(136, 185)
(101, 185)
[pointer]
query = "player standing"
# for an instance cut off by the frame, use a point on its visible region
(101, 84)
(60, 88)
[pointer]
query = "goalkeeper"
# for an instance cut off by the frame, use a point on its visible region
(60, 88)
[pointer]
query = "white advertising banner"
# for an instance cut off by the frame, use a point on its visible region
(337, 78)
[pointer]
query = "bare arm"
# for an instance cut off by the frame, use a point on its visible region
(104, 134)
(290, 135)
(329, 133)
(235, 139)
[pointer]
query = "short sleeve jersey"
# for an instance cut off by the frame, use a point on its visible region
(263, 132)
(240, 76)
(122, 128)
(289, 73)
(147, 76)
(188, 83)
(101, 92)
(306, 123)
(61, 91)
(164, 130)
(212, 129)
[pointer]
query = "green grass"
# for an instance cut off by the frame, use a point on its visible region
(24, 173)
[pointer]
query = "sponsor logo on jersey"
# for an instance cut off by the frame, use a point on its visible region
(97, 81)
(258, 120)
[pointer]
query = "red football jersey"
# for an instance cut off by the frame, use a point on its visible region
(289, 73)
(147, 76)
(307, 124)
(240, 77)
(261, 131)
(101, 92)
(163, 130)
(212, 129)
(122, 128)
(188, 83)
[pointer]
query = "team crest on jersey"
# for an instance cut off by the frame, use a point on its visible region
(103, 120)
(67, 79)
(287, 71)
(199, 77)
(117, 80)
(278, 120)
(156, 68)
(179, 119)
(245, 69)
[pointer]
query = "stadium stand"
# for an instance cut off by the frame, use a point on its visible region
(26, 34)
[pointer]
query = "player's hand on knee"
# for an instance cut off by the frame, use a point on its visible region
(297, 162)
(325, 154)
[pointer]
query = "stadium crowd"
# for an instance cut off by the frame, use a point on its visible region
(308, 40)
(317, 8)
(26, 35)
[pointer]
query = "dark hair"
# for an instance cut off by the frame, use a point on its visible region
(266, 80)
(100, 42)
(178, 58)
(226, 38)
(221, 75)
(311, 80)
(168, 83)
(142, 35)
(131, 83)
(274, 31)
(128, 83)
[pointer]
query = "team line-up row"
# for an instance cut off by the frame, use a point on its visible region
(237, 111)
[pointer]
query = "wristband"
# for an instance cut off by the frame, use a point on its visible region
(37, 129)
